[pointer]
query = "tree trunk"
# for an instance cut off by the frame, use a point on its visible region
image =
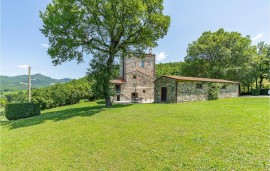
(107, 94)
(108, 101)
(256, 83)
(261, 80)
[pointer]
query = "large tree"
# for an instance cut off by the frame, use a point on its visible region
(107, 29)
(261, 63)
(219, 54)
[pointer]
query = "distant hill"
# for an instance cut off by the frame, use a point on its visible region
(19, 82)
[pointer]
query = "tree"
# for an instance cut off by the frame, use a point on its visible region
(217, 54)
(107, 29)
(172, 68)
(261, 63)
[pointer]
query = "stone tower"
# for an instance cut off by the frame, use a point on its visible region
(136, 82)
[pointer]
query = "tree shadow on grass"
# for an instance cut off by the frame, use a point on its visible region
(59, 115)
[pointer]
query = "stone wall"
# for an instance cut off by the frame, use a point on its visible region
(171, 89)
(231, 90)
(139, 77)
(142, 84)
(134, 64)
(186, 91)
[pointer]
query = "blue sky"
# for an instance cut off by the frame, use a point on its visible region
(23, 44)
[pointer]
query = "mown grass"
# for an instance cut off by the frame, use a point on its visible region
(228, 134)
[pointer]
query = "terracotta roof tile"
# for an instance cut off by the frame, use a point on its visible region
(199, 79)
(117, 81)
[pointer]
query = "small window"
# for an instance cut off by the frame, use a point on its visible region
(198, 86)
(223, 87)
(142, 64)
(133, 64)
(134, 76)
(143, 91)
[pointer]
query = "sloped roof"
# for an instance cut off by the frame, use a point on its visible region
(198, 79)
(117, 81)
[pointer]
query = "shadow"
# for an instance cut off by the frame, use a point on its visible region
(101, 102)
(59, 115)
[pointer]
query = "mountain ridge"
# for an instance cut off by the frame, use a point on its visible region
(20, 82)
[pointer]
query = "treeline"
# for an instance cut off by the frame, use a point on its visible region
(62, 94)
(172, 68)
(228, 55)
(56, 95)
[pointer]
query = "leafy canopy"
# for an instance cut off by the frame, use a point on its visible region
(115, 27)
(216, 54)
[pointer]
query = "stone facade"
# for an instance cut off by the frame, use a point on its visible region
(170, 85)
(137, 77)
(169, 89)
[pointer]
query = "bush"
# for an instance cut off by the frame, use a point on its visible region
(2, 113)
(213, 91)
(255, 92)
(245, 93)
(264, 91)
(21, 110)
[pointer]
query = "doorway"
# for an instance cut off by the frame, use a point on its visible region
(118, 97)
(163, 94)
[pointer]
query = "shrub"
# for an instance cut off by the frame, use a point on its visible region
(264, 91)
(21, 110)
(213, 91)
(255, 92)
(2, 113)
(245, 93)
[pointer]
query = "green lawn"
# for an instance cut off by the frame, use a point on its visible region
(228, 134)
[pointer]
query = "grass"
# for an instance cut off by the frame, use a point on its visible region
(227, 134)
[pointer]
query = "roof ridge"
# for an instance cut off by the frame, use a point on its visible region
(197, 79)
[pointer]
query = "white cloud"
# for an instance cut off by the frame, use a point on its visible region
(23, 66)
(258, 36)
(161, 56)
(45, 45)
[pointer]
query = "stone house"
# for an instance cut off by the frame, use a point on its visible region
(183, 89)
(136, 80)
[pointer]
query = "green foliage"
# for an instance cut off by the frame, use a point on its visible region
(217, 55)
(3, 102)
(19, 97)
(21, 110)
(106, 29)
(264, 92)
(228, 55)
(213, 91)
(255, 92)
(224, 134)
(261, 64)
(62, 94)
(172, 68)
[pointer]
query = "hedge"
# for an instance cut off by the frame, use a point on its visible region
(21, 110)
(255, 92)
(264, 92)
